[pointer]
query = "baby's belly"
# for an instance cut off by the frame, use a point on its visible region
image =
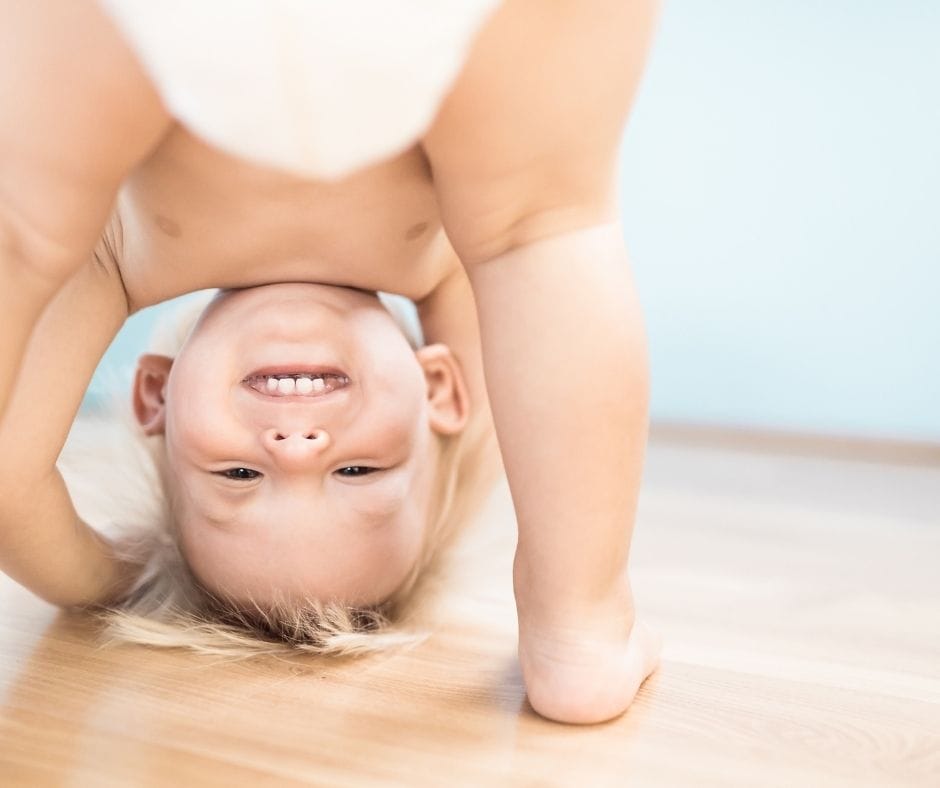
(192, 217)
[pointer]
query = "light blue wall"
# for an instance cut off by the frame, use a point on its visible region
(781, 184)
(116, 368)
(781, 188)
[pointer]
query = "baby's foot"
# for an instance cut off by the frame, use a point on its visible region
(587, 667)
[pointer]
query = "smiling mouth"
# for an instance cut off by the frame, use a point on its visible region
(296, 384)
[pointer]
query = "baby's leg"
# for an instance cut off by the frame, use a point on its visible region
(565, 358)
(76, 113)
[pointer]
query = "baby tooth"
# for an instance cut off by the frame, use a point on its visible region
(305, 385)
(317, 384)
(285, 386)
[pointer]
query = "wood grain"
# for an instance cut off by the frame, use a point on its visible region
(799, 598)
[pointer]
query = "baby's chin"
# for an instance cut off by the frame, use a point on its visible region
(271, 324)
(280, 293)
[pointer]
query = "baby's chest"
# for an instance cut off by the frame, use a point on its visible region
(193, 217)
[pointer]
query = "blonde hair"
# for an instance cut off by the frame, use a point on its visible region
(167, 606)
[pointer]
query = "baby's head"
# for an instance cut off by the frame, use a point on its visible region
(307, 450)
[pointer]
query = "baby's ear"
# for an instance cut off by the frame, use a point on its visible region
(153, 371)
(448, 401)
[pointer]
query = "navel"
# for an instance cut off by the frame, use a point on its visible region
(168, 226)
(415, 231)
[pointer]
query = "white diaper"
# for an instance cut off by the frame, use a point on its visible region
(316, 87)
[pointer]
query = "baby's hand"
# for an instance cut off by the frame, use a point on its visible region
(587, 665)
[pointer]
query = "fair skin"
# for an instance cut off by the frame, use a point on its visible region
(291, 495)
(520, 177)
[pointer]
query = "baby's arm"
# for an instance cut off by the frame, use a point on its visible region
(448, 315)
(43, 543)
(76, 113)
(524, 161)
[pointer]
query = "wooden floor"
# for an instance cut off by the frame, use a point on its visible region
(799, 599)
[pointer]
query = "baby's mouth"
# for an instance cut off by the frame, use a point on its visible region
(296, 384)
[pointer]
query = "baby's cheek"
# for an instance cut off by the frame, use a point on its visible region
(393, 553)
(382, 504)
(194, 430)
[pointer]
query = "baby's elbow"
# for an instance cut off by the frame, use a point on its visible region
(29, 264)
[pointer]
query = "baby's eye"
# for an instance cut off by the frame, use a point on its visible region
(356, 470)
(239, 474)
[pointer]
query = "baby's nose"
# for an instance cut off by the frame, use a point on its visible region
(295, 449)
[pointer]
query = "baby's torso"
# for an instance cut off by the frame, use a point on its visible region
(193, 217)
(338, 91)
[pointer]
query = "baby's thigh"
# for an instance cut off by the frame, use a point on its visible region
(85, 114)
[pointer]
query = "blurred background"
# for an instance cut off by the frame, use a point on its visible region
(780, 184)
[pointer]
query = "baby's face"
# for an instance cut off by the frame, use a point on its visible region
(300, 447)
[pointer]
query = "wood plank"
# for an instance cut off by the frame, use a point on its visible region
(798, 596)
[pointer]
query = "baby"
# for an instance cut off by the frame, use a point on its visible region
(246, 559)
(304, 437)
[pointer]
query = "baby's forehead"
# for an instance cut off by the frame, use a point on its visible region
(360, 560)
